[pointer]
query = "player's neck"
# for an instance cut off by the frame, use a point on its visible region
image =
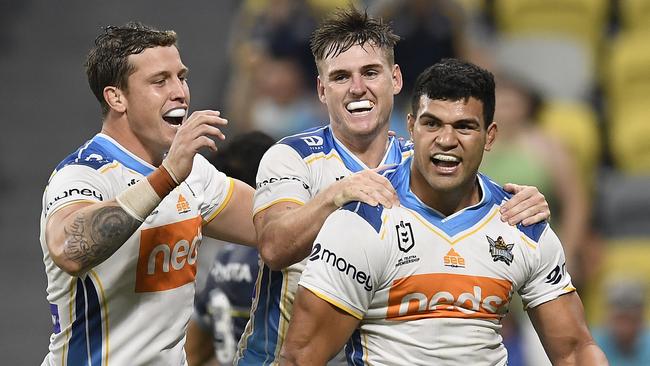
(447, 201)
(119, 131)
(370, 149)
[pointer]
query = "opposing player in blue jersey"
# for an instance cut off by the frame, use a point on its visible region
(124, 214)
(428, 282)
(305, 177)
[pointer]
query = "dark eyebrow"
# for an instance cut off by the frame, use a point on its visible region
(462, 120)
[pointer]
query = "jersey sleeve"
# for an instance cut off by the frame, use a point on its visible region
(346, 263)
(73, 184)
(549, 278)
(218, 188)
(282, 176)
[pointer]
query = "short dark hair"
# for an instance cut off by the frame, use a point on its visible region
(452, 79)
(347, 28)
(241, 157)
(107, 62)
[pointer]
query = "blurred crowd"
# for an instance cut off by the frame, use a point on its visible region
(572, 81)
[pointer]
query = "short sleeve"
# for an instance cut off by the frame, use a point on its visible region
(346, 263)
(282, 176)
(76, 183)
(217, 191)
(549, 277)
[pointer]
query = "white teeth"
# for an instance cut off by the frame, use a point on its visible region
(448, 158)
(178, 112)
(361, 104)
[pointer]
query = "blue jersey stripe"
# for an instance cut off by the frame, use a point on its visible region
(354, 349)
(94, 322)
(86, 339)
(78, 353)
(266, 321)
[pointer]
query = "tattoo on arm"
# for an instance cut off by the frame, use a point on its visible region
(93, 237)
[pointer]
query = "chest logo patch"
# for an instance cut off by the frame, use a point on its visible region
(405, 238)
(182, 206)
(501, 251)
(453, 259)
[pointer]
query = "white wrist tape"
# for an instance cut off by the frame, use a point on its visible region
(139, 200)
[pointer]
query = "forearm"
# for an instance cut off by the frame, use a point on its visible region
(91, 235)
(587, 354)
(292, 356)
(287, 237)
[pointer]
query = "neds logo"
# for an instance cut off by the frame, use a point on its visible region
(341, 265)
(168, 256)
(442, 295)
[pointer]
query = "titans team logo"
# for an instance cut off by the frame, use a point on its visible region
(405, 238)
(500, 251)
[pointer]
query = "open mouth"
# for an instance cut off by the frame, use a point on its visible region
(445, 161)
(175, 116)
(360, 106)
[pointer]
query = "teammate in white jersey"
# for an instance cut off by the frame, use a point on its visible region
(305, 177)
(428, 282)
(124, 214)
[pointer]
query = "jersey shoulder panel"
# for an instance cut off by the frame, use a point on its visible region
(102, 150)
(310, 142)
(89, 154)
(371, 214)
(499, 195)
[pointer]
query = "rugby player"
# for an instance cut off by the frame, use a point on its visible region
(428, 282)
(124, 214)
(307, 176)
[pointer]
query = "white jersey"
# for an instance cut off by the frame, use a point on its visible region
(428, 289)
(133, 308)
(294, 170)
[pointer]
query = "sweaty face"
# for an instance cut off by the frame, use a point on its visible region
(358, 88)
(449, 139)
(157, 97)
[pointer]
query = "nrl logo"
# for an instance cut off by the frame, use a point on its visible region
(500, 251)
(405, 238)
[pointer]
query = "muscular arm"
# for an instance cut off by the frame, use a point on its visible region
(561, 327)
(286, 230)
(81, 236)
(235, 222)
(199, 347)
(317, 331)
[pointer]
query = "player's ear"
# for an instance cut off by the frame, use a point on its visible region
(410, 124)
(321, 90)
(397, 79)
(115, 99)
(492, 130)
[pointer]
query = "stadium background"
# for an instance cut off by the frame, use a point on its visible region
(599, 93)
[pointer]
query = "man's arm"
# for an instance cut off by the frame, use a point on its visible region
(199, 347)
(235, 223)
(561, 327)
(286, 230)
(317, 331)
(83, 235)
